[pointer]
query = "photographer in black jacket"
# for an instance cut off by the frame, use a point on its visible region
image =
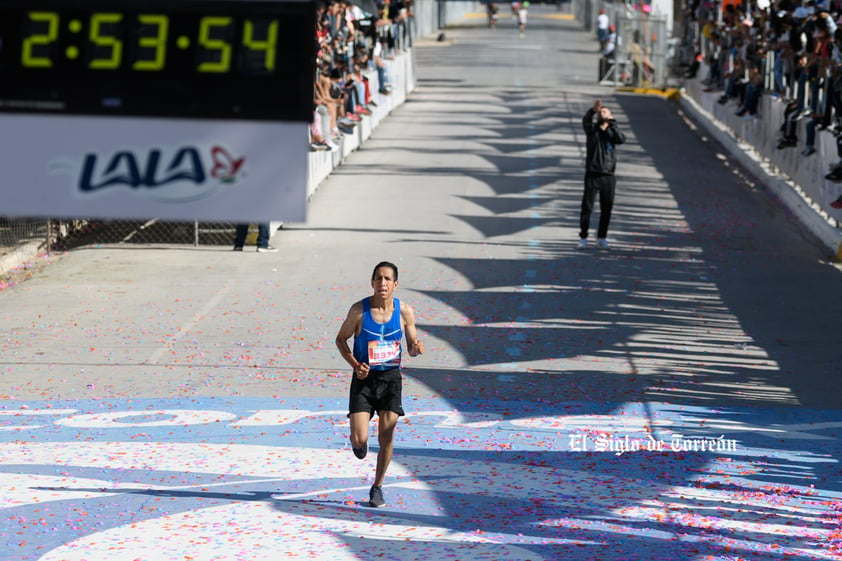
(602, 138)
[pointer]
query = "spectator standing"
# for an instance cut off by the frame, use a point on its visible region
(610, 50)
(602, 32)
(382, 68)
(491, 12)
(262, 238)
(602, 139)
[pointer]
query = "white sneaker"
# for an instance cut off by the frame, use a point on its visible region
(583, 244)
(602, 243)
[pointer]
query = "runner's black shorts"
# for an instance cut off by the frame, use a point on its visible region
(379, 391)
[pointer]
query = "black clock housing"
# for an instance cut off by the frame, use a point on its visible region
(192, 59)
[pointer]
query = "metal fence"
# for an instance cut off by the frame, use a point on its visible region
(150, 232)
(645, 56)
(36, 236)
(18, 232)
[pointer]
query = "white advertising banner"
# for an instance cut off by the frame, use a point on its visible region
(144, 168)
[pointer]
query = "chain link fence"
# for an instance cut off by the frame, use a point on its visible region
(150, 232)
(17, 232)
(23, 239)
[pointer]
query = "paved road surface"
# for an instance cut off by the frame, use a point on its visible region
(674, 398)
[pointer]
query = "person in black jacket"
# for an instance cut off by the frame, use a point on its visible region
(602, 138)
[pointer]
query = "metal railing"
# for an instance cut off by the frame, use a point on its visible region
(644, 50)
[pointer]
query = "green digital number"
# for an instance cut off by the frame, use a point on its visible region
(211, 43)
(158, 42)
(40, 39)
(269, 46)
(109, 42)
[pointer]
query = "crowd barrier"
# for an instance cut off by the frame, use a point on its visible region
(402, 79)
(802, 185)
(430, 17)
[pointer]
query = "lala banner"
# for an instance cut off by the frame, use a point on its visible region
(140, 168)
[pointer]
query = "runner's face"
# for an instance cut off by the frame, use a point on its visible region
(384, 282)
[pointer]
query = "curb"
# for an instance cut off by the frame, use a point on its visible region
(20, 256)
(667, 93)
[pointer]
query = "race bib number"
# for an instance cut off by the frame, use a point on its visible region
(383, 352)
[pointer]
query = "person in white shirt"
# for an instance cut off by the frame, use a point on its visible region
(521, 18)
(602, 23)
(612, 43)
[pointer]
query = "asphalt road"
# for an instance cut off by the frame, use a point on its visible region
(190, 400)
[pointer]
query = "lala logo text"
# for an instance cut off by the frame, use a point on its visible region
(158, 169)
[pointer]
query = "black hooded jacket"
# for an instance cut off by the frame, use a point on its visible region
(601, 158)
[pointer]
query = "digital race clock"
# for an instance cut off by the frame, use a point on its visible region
(195, 59)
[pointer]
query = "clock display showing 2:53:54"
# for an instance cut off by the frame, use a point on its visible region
(141, 42)
(211, 58)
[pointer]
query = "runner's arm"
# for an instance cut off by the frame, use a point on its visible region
(349, 328)
(413, 346)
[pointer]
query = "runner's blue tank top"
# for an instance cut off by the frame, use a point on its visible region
(379, 344)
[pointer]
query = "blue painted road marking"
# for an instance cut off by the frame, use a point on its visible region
(261, 478)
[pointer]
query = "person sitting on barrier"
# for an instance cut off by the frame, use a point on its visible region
(642, 67)
(753, 90)
(363, 86)
(834, 92)
(327, 107)
(354, 94)
(319, 139)
(338, 97)
(830, 104)
(789, 137)
(823, 13)
(835, 174)
(345, 92)
(751, 94)
(734, 83)
(713, 81)
(382, 68)
(805, 69)
(814, 123)
(835, 98)
(397, 11)
(817, 62)
(820, 108)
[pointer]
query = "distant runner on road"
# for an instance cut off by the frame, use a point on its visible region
(522, 13)
(377, 323)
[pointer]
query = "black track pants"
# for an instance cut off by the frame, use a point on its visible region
(604, 185)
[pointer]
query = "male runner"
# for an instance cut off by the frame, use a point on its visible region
(378, 324)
